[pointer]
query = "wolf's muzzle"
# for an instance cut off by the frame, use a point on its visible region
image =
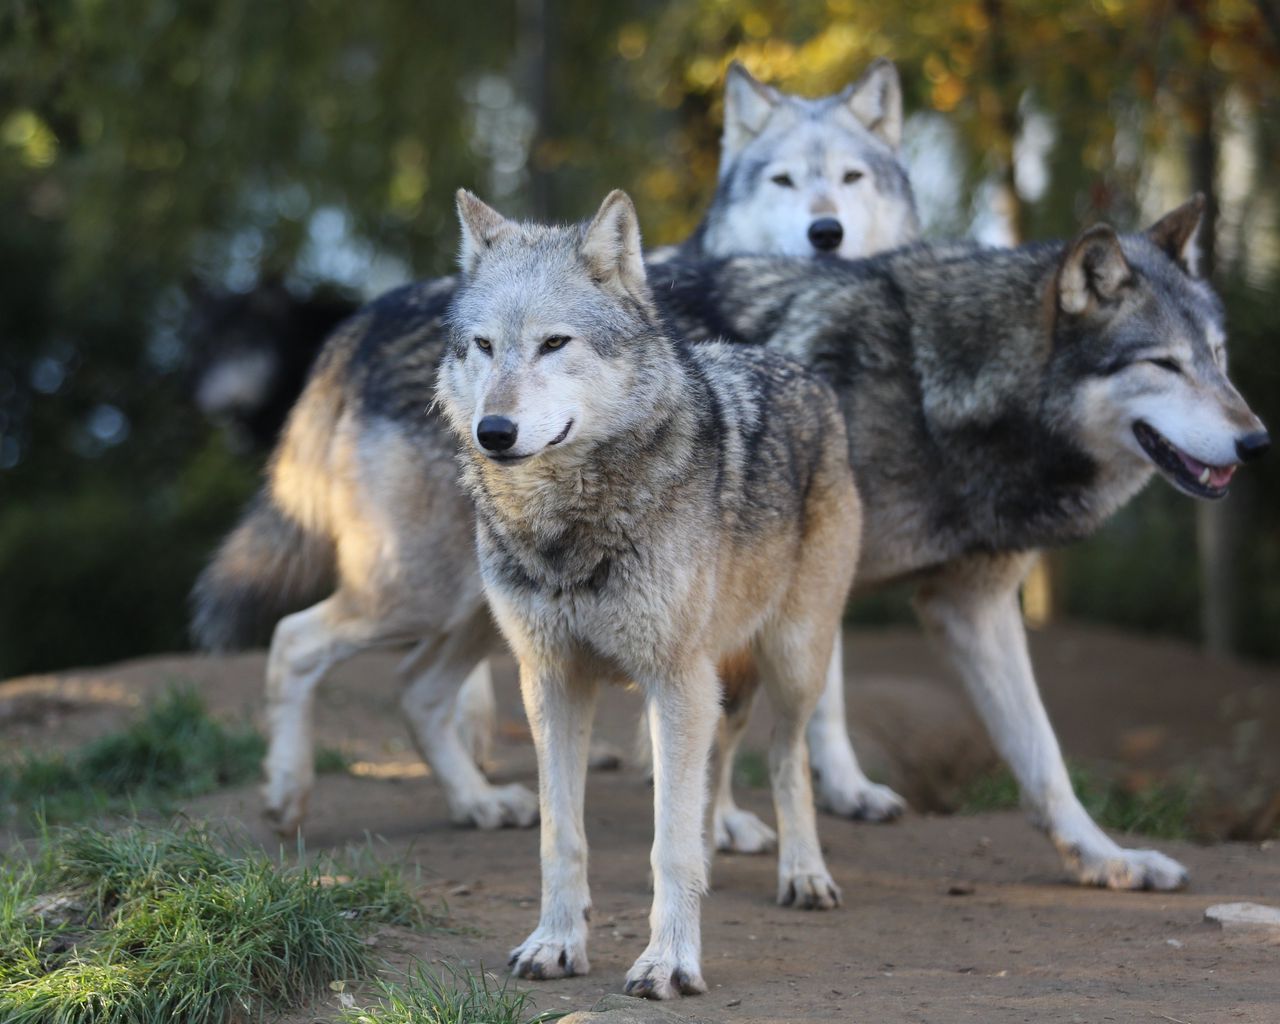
(1253, 446)
(826, 234)
(496, 433)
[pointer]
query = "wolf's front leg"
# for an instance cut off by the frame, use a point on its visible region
(560, 707)
(683, 718)
(973, 610)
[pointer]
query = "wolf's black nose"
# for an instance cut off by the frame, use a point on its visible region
(826, 234)
(1253, 446)
(496, 433)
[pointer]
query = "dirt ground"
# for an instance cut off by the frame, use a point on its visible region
(945, 918)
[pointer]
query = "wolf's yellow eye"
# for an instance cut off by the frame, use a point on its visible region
(554, 342)
(784, 180)
(484, 344)
(851, 176)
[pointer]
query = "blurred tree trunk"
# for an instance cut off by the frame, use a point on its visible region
(533, 79)
(1006, 90)
(1270, 11)
(1037, 590)
(1214, 531)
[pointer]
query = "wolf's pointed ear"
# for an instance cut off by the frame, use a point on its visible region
(1177, 234)
(611, 245)
(481, 226)
(747, 106)
(1093, 272)
(875, 99)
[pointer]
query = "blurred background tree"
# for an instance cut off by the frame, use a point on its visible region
(145, 144)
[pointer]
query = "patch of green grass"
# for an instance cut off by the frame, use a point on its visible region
(1162, 810)
(148, 925)
(175, 750)
(331, 761)
(751, 769)
(461, 998)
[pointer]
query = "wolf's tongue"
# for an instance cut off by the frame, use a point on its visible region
(1194, 466)
(1211, 476)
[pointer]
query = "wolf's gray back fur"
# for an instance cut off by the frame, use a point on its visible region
(959, 379)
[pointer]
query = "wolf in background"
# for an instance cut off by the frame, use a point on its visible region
(362, 503)
(644, 509)
(997, 402)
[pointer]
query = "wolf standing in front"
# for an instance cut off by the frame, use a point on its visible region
(644, 510)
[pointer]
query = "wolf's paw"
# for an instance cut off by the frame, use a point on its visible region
(660, 976)
(739, 831)
(813, 891)
(511, 806)
(860, 800)
(544, 955)
(284, 798)
(1126, 869)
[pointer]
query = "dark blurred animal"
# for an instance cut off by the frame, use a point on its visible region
(251, 352)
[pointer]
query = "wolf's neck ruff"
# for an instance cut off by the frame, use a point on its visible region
(563, 519)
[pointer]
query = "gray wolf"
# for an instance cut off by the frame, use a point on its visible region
(644, 508)
(800, 177)
(990, 417)
(998, 402)
(362, 509)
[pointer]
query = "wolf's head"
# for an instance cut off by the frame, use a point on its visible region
(554, 337)
(1138, 323)
(802, 177)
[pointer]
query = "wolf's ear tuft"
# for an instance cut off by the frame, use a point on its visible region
(481, 226)
(747, 106)
(1093, 272)
(875, 99)
(1177, 234)
(611, 245)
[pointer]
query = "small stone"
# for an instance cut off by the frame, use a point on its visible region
(1244, 915)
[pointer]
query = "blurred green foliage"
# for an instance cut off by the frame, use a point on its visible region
(146, 141)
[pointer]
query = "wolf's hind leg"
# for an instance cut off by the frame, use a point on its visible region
(304, 647)
(431, 705)
(736, 830)
(683, 719)
(973, 610)
(843, 788)
(792, 656)
(560, 707)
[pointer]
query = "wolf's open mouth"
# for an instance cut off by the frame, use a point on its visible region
(1191, 475)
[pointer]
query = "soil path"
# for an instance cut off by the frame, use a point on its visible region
(945, 918)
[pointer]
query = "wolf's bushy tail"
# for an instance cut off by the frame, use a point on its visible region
(281, 556)
(267, 567)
